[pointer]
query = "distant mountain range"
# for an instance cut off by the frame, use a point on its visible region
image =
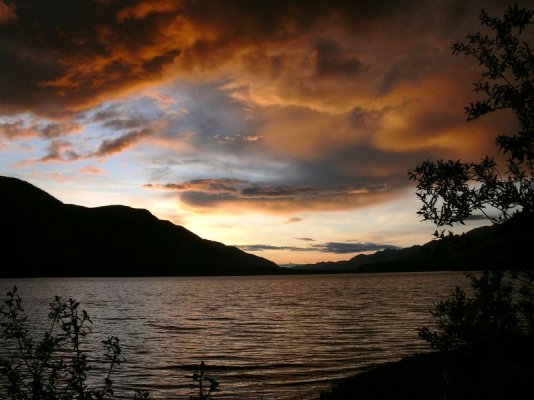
(41, 236)
(509, 245)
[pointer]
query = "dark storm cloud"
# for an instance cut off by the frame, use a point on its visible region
(6, 13)
(60, 55)
(23, 66)
(316, 105)
(332, 61)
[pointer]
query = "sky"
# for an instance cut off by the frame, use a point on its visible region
(285, 128)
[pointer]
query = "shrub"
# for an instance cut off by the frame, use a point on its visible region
(54, 366)
(498, 311)
(203, 384)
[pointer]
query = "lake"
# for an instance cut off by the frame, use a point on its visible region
(268, 336)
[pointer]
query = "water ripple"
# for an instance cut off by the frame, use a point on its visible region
(270, 337)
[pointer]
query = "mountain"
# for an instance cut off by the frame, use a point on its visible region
(41, 236)
(504, 246)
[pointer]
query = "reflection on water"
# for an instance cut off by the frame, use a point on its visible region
(276, 336)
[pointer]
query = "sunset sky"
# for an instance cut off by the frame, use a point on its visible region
(283, 127)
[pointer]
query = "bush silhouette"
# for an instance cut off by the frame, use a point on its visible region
(203, 384)
(56, 365)
(497, 312)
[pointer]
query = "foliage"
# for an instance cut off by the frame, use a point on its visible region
(55, 366)
(501, 306)
(498, 311)
(204, 384)
(452, 190)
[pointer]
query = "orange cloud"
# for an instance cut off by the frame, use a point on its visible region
(119, 144)
(336, 92)
(308, 134)
(60, 150)
(19, 128)
(6, 13)
(325, 54)
(91, 170)
(430, 116)
(146, 8)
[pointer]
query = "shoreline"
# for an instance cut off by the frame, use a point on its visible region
(277, 273)
(501, 374)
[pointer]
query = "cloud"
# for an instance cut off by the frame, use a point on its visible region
(299, 146)
(29, 127)
(112, 146)
(220, 193)
(6, 13)
(293, 220)
(91, 170)
(286, 105)
(118, 124)
(142, 10)
(306, 239)
(61, 62)
(304, 85)
(479, 217)
(55, 130)
(106, 114)
(60, 150)
(328, 247)
(347, 248)
(301, 132)
(17, 129)
(266, 247)
(332, 61)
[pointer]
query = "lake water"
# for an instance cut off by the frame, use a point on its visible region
(271, 337)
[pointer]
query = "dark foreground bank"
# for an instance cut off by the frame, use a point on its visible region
(506, 373)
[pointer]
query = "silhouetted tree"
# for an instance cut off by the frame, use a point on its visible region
(501, 306)
(452, 190)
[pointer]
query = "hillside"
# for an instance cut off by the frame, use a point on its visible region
(505, 246)
(44, 237)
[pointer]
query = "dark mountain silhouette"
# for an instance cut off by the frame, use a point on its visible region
(504, 246)
(41, 236)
